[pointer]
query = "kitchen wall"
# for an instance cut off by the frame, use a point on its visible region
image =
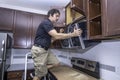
(107, 53)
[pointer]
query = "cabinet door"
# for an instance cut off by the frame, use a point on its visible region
(79, 6)
(71, 15)
(14, 75)
(111, 17)
(22, 30)
(6, 19)
(94, 19)
(36, 20)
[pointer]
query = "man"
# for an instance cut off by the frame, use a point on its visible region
(44, 36)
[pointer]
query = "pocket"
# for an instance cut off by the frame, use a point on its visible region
(36, 51)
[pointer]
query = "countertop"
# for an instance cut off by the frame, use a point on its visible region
(14, 67)
(68, 73)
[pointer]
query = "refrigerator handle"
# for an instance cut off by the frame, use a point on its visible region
(3, 42)
(2, 49)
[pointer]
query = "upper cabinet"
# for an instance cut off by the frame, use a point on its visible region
(21, 31)
(111, 17)
(6, 19)
(103, 19)
(25, 28)
(71, 15)
(79, 6)
(94, 21)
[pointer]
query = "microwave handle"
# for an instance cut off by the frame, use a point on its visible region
(80, 38)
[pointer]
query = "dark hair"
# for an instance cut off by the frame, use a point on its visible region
(52, 12)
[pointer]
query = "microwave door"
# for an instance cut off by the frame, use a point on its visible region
(80, 38)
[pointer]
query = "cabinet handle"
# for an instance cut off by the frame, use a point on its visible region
(17, 74)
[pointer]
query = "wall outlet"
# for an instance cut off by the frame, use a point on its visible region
(118, 70)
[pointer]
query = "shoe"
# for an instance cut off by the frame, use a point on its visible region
(32, 74)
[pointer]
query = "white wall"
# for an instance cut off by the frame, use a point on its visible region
(107, 52)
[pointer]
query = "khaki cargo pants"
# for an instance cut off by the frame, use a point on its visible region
(41, 58)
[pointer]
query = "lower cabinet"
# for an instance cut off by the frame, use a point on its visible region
(18, 75)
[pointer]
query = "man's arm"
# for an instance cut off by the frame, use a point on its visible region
(56, 35)
(53, 39)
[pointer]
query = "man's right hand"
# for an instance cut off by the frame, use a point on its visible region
(77, 32)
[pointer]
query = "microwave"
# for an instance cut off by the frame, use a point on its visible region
(80, 42)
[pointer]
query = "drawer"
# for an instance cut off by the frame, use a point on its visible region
(15, 74)
(15, 79)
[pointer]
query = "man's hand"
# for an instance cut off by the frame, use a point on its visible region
(52, 40)
(61, 30)
(77, 32)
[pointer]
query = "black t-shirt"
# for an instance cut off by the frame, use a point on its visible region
(42, 37)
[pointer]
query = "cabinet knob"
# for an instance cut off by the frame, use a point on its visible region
(17, 74)
(73, 5)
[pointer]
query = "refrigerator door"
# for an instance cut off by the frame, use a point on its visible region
(3, 37)
(5, 51)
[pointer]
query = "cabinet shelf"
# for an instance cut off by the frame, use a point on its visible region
(78, 19)
(96, 37)
(78, 9)
(97, 17)
(94, 1)
(95, 26)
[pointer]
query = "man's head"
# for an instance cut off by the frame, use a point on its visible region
(53, 15)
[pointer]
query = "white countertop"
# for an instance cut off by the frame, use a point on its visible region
(20, 67)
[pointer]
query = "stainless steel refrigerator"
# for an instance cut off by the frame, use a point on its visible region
(5, 54)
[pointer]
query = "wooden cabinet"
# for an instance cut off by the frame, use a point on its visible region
(71, 15)
(22, 30)
(103, 18)
(23, 25)
(25, 28)
(110, 17)
(79, 6)
(18, 75)
(94, 19)
(14, 75)
(6, 19)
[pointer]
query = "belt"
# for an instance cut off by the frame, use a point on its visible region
(41, 46)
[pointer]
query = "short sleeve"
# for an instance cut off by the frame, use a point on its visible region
(48, 27)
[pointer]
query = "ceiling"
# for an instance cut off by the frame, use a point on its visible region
(36, 6)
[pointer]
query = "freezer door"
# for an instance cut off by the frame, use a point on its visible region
(3, 37)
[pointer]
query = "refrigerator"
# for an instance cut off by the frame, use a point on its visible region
(5, 54)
